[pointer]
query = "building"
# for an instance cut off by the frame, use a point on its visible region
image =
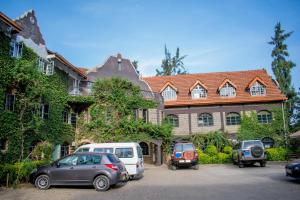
(201, 103)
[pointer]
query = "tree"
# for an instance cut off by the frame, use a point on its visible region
(282, 67)
(172, 65)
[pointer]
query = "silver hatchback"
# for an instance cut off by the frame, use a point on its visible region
(249, 152)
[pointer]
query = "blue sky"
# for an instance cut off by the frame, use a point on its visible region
(215, 35)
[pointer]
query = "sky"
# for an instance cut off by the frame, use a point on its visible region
(224, 35)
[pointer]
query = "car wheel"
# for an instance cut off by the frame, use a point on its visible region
(196, 167)
(240, 164)
(262, 163)
(101, 183)
(173, 167)
(42, 182)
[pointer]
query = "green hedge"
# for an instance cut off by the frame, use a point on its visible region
(212, 156)
(276, 154)
(19, 172)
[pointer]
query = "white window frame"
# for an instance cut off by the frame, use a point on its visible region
(228, 90)
(257, 89)
(169, 94)
(16, 49)
(198, 92)
(50, 68)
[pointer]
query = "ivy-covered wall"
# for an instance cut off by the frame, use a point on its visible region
(24, 125)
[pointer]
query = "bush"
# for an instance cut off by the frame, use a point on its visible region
(227, 150)
(224, 158)
(19, 172)
(43, 150)
(276, 154)
(217, 158)
(211, 150)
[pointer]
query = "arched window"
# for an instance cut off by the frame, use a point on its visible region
(173, 120)
(264, 117)
(205, 119)
(257, 89)
(198, 92)
(145, 148)
(227, 90)
(169, 93)
(64, 149)
(233, 119)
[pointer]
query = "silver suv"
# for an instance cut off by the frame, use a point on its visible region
(249, 152)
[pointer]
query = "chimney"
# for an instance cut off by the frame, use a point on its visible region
(119, 59)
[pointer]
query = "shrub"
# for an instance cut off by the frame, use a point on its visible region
(227, 150)
(223, 158)
(276, 154)
(43, 150)
(211, 150)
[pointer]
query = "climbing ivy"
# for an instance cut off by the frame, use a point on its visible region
(24, 125)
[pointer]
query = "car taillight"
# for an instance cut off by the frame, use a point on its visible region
(112, 166)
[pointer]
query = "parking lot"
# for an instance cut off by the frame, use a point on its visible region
(209, 182)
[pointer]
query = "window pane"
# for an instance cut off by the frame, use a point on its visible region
(112, 158)
(103, 150)
(124, 152)
(83, 150)
(205, 119)
(68, 161)
(233, 119)
(188, 147)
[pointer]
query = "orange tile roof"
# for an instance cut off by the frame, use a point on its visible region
(212, 81)
(10, 22)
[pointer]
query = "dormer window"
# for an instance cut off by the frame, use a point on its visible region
(198, 91)
(228, 90)
(257, 87)
(169, 93)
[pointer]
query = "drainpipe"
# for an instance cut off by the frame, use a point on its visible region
(284, 125)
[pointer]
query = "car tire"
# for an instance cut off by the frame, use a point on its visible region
(240, 164)
(101, 183)
(262, 163)
(42, 182)
(196, 167)
(173, 167)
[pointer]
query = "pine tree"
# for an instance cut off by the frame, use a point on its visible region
(172, 65)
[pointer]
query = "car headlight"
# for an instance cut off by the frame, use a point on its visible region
(296, 168)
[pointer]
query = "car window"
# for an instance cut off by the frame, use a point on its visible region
(249, 144)
(84, 149)
(124, 152)
(188, 147)
(112, 158)
(104, 150)
(89, 159)
(68, 161)
(178, 147)
(140, 152)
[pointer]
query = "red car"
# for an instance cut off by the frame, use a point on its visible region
(184, 155)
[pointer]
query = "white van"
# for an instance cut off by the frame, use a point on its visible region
(129, 153)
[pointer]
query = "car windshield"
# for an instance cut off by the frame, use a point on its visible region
(249, 144)
(84, 149)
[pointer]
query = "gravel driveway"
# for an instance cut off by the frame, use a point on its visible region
(209, 182)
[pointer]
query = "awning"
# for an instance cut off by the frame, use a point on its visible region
(296, 135)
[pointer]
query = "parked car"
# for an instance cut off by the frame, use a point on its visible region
(249, 152)
(101, 170)
(129, 153)
(184, 155)
(293, 169)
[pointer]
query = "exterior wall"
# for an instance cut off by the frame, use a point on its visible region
(205, 129)
(183, 128)
(152, 116)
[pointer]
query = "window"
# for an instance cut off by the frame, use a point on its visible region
(64, 149)
(198, 92)
(173, 120)
(184, 147)
(10, 102)
(264, 117)
(257, 89)
(73, 119)
(89, 159)
(205, 119)
(145, 115)
(124, 152)
(50, 68)
(104, 150)
(112, 158)
(68, 161)
(233, 119)
(3, 144)
(169, 94)
(227, 90)
(145, 148)
(44, 111)
(15, 49)
(65, 116)
(84, 149)
(46, 67)
(75, 87)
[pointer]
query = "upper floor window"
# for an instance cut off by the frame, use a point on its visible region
(227, 90)
(205, 119)
(173, 120)
(10, 102)
(257, 89)
(145, 115)
(198, 92)
(15, 49)
(44, 111)
(264, 117)
(169, 93)
(46, 67)
(233, 119)
(3, 144)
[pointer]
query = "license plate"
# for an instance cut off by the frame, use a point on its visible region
(188, 161)
(181, 161)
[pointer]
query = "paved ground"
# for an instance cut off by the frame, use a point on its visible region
(209, 182)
